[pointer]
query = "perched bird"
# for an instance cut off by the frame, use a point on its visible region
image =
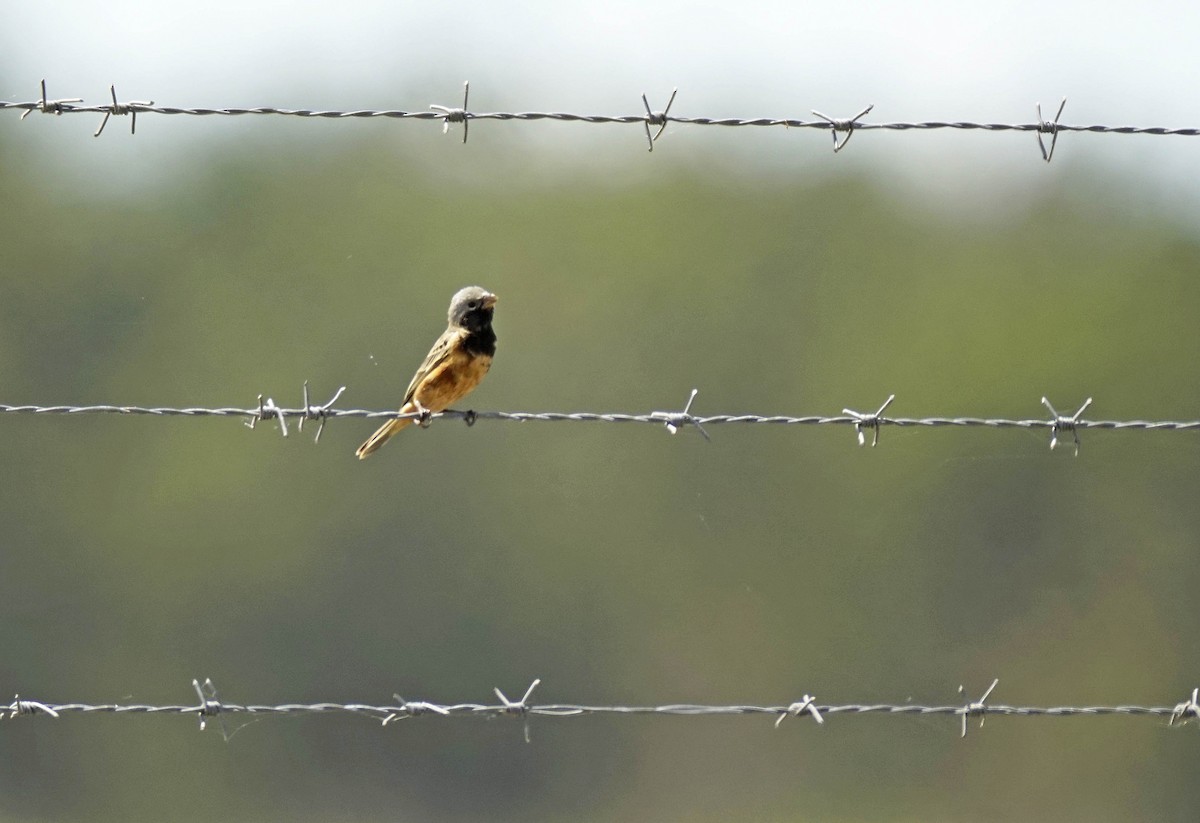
(455, 365)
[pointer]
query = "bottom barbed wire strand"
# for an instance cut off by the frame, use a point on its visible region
(27, 708)
(270, 411)
(210, 706)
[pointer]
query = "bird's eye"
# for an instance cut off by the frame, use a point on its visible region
(473, 304)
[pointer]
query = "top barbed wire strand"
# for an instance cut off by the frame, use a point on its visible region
(660, 119)
(57, 107)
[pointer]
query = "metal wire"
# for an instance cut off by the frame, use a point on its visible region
(841, 128)
(1059, 425)
(210, 707)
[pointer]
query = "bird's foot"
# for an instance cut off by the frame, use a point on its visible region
(426, 416)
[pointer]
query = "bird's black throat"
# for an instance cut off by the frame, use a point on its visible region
(480, 338)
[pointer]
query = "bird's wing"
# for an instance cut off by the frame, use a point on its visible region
(436, 357)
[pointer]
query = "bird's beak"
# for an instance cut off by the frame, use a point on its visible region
(489, 301)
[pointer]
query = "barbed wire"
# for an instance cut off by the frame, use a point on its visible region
(210, 707)
(841, 128)
(1060, 425)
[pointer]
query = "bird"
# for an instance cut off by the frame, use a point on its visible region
(454, 366)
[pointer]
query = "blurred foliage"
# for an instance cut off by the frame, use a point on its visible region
(615, 562)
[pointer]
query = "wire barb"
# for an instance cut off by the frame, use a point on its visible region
(848, 126)
(977, 708)
(1061, 424)
(320, 413)
(412, 709)
(806, 704)
(452, 115)
(1050, 128)
(25, 707)
(869, 421)
(1187, 710)
(209, 705)
(519, 707)
(674, 421)
(267, 409)
(52, 106)
(657, 118)
(129, 108)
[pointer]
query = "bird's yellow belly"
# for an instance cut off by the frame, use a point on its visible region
(452, 380)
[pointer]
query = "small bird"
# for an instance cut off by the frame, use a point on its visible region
(454, 366)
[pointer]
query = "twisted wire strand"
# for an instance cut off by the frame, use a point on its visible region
(272, 412)
(415, 708)
(73, 106)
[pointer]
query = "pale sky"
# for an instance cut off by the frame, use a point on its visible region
(1120, 64)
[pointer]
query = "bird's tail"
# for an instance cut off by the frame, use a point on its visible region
(381, 436)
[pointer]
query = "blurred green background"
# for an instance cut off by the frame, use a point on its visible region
(617, 563)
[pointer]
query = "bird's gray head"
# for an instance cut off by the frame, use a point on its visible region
(472, 308)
